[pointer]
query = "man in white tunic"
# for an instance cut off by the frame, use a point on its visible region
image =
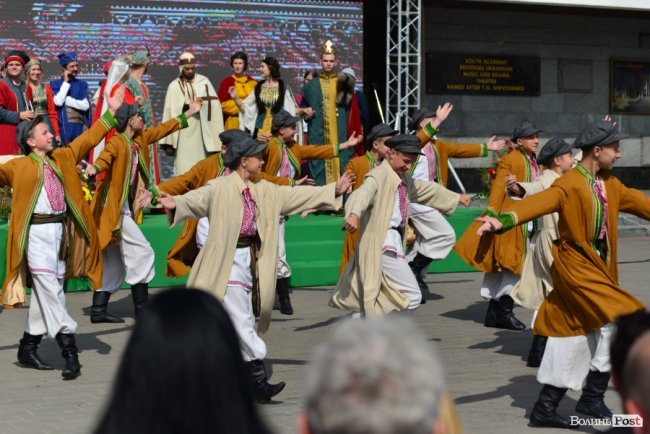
(201, 138)
(378, 280)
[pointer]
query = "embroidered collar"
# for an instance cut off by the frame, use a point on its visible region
(371, 159)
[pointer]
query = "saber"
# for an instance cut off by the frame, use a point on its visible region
(381, 112)
(456, 178)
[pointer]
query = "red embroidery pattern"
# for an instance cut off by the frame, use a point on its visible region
(430, 155)
(285, 166)
(535, 170)
(248, 228)
(53, 189)
(600, 194)
(403, 203)
(134, 162)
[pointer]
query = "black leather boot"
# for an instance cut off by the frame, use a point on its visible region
(418, 265)
(98, 312)
(536, 351)
(491, 314)
(544, 412)
(262, 389)
(282, 288)
(505, 318)
(69, 352)
(27, 354)
(140, 295)
(591, 401)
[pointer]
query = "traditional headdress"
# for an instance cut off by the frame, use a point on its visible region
(17, 56)
(33, 61)
(185, 60)
(140, 58)
(328, 48)
(65, 58)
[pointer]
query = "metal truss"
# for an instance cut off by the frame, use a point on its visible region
(403, 66)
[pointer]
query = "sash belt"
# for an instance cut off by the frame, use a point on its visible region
(254, 243)
(43, 219)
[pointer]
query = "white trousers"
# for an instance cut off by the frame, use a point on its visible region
(568, 360)
(47, 311)
(435, 236)
(239, 305)
(399, 275)
(130, 260)
(283, 266)
(496, 285)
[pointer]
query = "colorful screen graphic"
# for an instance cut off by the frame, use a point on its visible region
(98, 30)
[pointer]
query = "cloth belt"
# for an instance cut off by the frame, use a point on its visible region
(254, 243)
(44, 219)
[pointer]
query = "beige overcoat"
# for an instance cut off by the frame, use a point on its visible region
(362, 286)
(536, 282)
(221, 201)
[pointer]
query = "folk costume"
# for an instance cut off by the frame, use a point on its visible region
(194, 233)
(138, 88)
(72, 103)
(263, 104)
(239, 260)
(41, 99)
(233, 116)
(501, 257)
(12, 102)
(52, 236)
(201, 138)
(435, 237)
(330, 121)
(282, 167)
(377, 279)
(127, 255)
(578, 314)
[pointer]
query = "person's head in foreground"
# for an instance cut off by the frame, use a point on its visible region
(182, 372)
(376, 376)
(636, 384)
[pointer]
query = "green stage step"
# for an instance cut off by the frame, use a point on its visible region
(313, 245)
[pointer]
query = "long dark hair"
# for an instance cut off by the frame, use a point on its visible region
(182, 372)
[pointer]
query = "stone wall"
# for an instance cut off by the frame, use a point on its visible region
(575, 47)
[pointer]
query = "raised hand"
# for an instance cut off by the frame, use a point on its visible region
(194, 107)
(351, 142)
(115, 101)
(490, 224)
(442, 112)
(494, 145)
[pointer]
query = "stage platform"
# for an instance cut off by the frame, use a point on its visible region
(313, 249)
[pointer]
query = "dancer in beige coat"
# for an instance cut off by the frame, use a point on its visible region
(367, 285)
(239, 259)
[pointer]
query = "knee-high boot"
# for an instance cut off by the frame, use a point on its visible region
(68, 346)
(140, 295)
(592, 401)
(282, 288)
(544, 412)
(418, 265)
(536, 351)
(262, 389)
(98, 312)
(27, 354)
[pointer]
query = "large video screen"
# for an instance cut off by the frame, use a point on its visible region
(98, 30)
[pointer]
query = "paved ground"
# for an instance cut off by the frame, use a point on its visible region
(492, 387)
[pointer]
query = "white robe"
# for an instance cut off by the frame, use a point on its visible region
(201, 137)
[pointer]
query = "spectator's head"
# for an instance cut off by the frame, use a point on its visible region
(328, 60)
(270, 67)
(70, 63)
(628, 329)
(636, 382)
(182, 372)
(377, 376)
(239, 62)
